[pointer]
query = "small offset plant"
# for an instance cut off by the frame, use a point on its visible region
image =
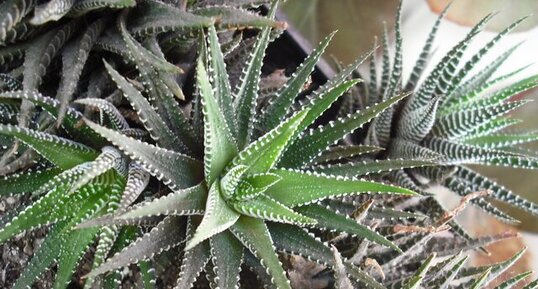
(165, 147)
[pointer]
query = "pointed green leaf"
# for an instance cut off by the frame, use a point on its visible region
(253, 185)
(62, 152)
(81, 7)
(164, 236)
(341, 152)
(72, 121)
(228, 17)
(226, 256)
(218, 141)
(149, 117)
(192, 263)
(254, 235)
(370, 167)
(217, 218)
(263, 207)
(48, 252)
(514, 280)
(153, 17)
(245, 98)
(294, 240)
(298, 188)
(71, 253)
(183, 202)
(416, 279)
(481, 280)
(27, 181)
(532, 285)
(262, 155)
(329, 220)
(279, 106)
(304, 149)
(176, 170)
(502, 140)
(223, 91)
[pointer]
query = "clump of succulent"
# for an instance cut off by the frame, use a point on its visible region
(252, 185)
(453, 116)
(247, 167)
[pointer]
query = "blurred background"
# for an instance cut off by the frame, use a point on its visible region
(358, 21)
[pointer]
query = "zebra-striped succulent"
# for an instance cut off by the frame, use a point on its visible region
(453, 117)
(248, 167)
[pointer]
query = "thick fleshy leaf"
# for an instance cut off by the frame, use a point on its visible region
(254, 235)
(425, 54)
(149, 117)
(174, 169)
(252, 186)
(218, 217)
(71, 253)
(342, 281)
(494, 270)
(183, 202)
(27, 181)
(532, 285)
(153, 17)
(107, 112)
(218, 140)
(53, 207)
(110, 158)
(161, 238)
(220, 81)
(147, 273)
(263, 207)
(341, 152)
(192, 263)
(158, 79)
(247, 93)
(74, 60)
(278, 107)
(60, 236)
(304, 149)
(329, 220)
(226, 256)
(293, 240)
(137, 180)
(262, 155)
(72, 121)
(12, 12)
(355, 169)
(228, 17)
(81, 7)
(457, 153)
(514, 280)
(416, 279)
(436, 82)
(481, 280)
(299, 188)
(51, 11)
(448, 276)
(480, 96)
(48, 252)
(462, 122)
(38, 58)
(62, 152)
(502, 140)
